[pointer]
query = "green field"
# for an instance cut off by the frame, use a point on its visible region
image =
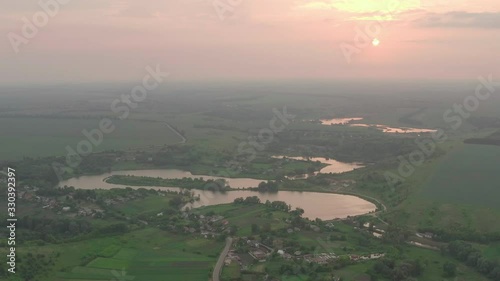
(468, 175)
(148, 254)
(244, 216)
(457, 192)
(46, 137)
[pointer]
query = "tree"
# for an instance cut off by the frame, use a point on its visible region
(255, 228)
(485, 266)
(495, 274)
(176, 201)
(473, 258)
(450, 269)
(297, 212)
(266, 227)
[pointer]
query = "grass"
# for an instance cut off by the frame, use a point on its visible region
(231, 271)
(452, 195)
(147, 205)
(35, 137)
(492, 251)
(455, 191)
(148, 254)
(243, 216)
(469, 175)
(433, 263)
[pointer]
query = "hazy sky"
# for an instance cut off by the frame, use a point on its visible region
(96, 40)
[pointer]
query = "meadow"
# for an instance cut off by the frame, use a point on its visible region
(456, 191)
(468, 175)
(148, 254)
(37, 137)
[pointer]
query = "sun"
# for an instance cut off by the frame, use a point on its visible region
(375, 42)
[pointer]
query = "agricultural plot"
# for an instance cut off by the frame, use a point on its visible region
(148, 254)
(33, 137)
(244, 216)
(469, 175)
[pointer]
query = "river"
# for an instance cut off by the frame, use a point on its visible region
(325, 206)
(332, 166)
(383, 128)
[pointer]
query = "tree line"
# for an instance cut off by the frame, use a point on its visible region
(473, 257)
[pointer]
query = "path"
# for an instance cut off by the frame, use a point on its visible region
(222, 258)
(184, 140)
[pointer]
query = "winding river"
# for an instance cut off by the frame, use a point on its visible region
(383, 128)
(332, 166)
(325, 206)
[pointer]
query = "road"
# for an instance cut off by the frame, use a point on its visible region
(184, 140)
(222, 258)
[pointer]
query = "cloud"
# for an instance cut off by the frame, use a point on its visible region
(460, 20)
(363, 6)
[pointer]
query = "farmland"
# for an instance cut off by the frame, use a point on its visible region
(36, 137)
(469, 175)
(454, 190)
(457, 191)
(147, 254)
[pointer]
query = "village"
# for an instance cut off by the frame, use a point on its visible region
(260, 253)
(249, 251)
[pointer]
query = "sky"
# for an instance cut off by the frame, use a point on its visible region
(81, 41)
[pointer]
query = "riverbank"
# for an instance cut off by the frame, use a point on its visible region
(326, 206)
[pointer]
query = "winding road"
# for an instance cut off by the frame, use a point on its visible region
(220, 262)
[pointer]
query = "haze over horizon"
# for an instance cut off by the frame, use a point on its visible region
(283, 39)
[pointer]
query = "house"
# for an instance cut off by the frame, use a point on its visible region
(216, 218)
(376, 256)
(427, 235)
(259, 255)
(315, 228)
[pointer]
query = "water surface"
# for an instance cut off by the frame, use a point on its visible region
(333, 166)
(383, 128)
(325, 206)
(97, 181)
